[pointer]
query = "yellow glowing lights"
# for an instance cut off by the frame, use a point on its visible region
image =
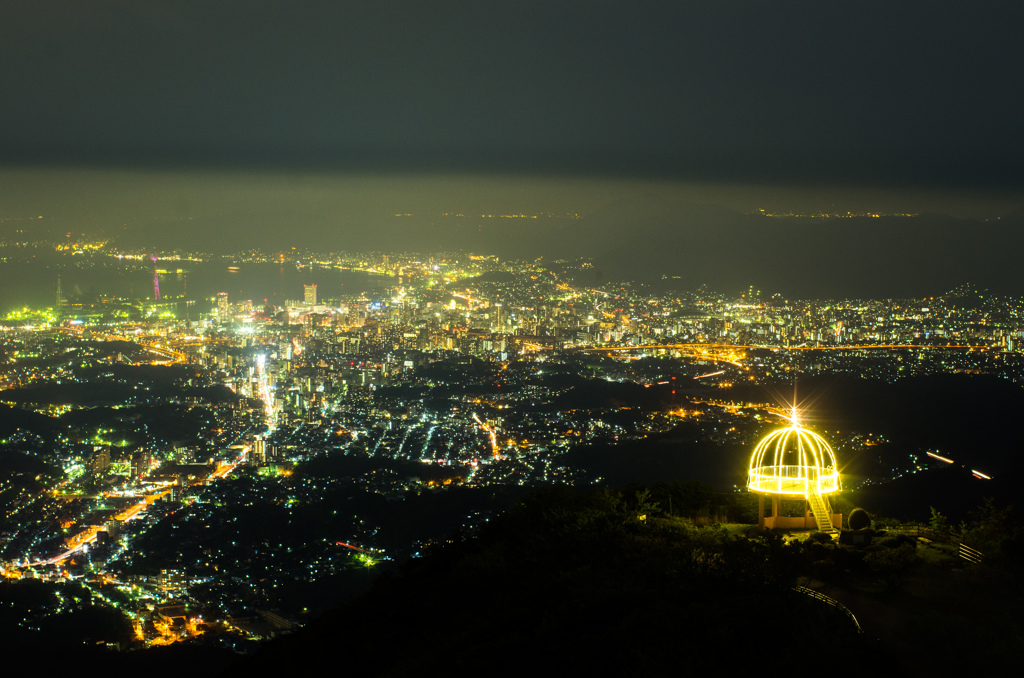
(793, 461)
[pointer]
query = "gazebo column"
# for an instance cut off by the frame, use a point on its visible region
(760, 510)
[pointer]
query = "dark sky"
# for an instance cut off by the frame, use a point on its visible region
(821, 105)
(915, 92)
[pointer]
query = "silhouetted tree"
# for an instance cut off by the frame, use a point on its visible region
(859, 519)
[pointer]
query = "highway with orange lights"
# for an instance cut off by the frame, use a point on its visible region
(735, 354)
(89, 534)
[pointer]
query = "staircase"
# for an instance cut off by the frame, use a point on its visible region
(822, 513)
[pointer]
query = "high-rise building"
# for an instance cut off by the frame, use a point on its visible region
(139, 465)
(100, 461)
(60, 301)
(259, 451)
(223, 307)
(310, 295)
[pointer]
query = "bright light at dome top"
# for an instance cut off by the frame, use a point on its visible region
(793, 418)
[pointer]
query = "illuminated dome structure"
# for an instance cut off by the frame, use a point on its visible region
(795, 463)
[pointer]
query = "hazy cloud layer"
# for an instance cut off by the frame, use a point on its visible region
(911, 93)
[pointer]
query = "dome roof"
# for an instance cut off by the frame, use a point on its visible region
(793, 461)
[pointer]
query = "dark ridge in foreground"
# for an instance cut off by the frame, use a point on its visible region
(589, 584)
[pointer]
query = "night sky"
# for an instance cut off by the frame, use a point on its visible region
(338, 114)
